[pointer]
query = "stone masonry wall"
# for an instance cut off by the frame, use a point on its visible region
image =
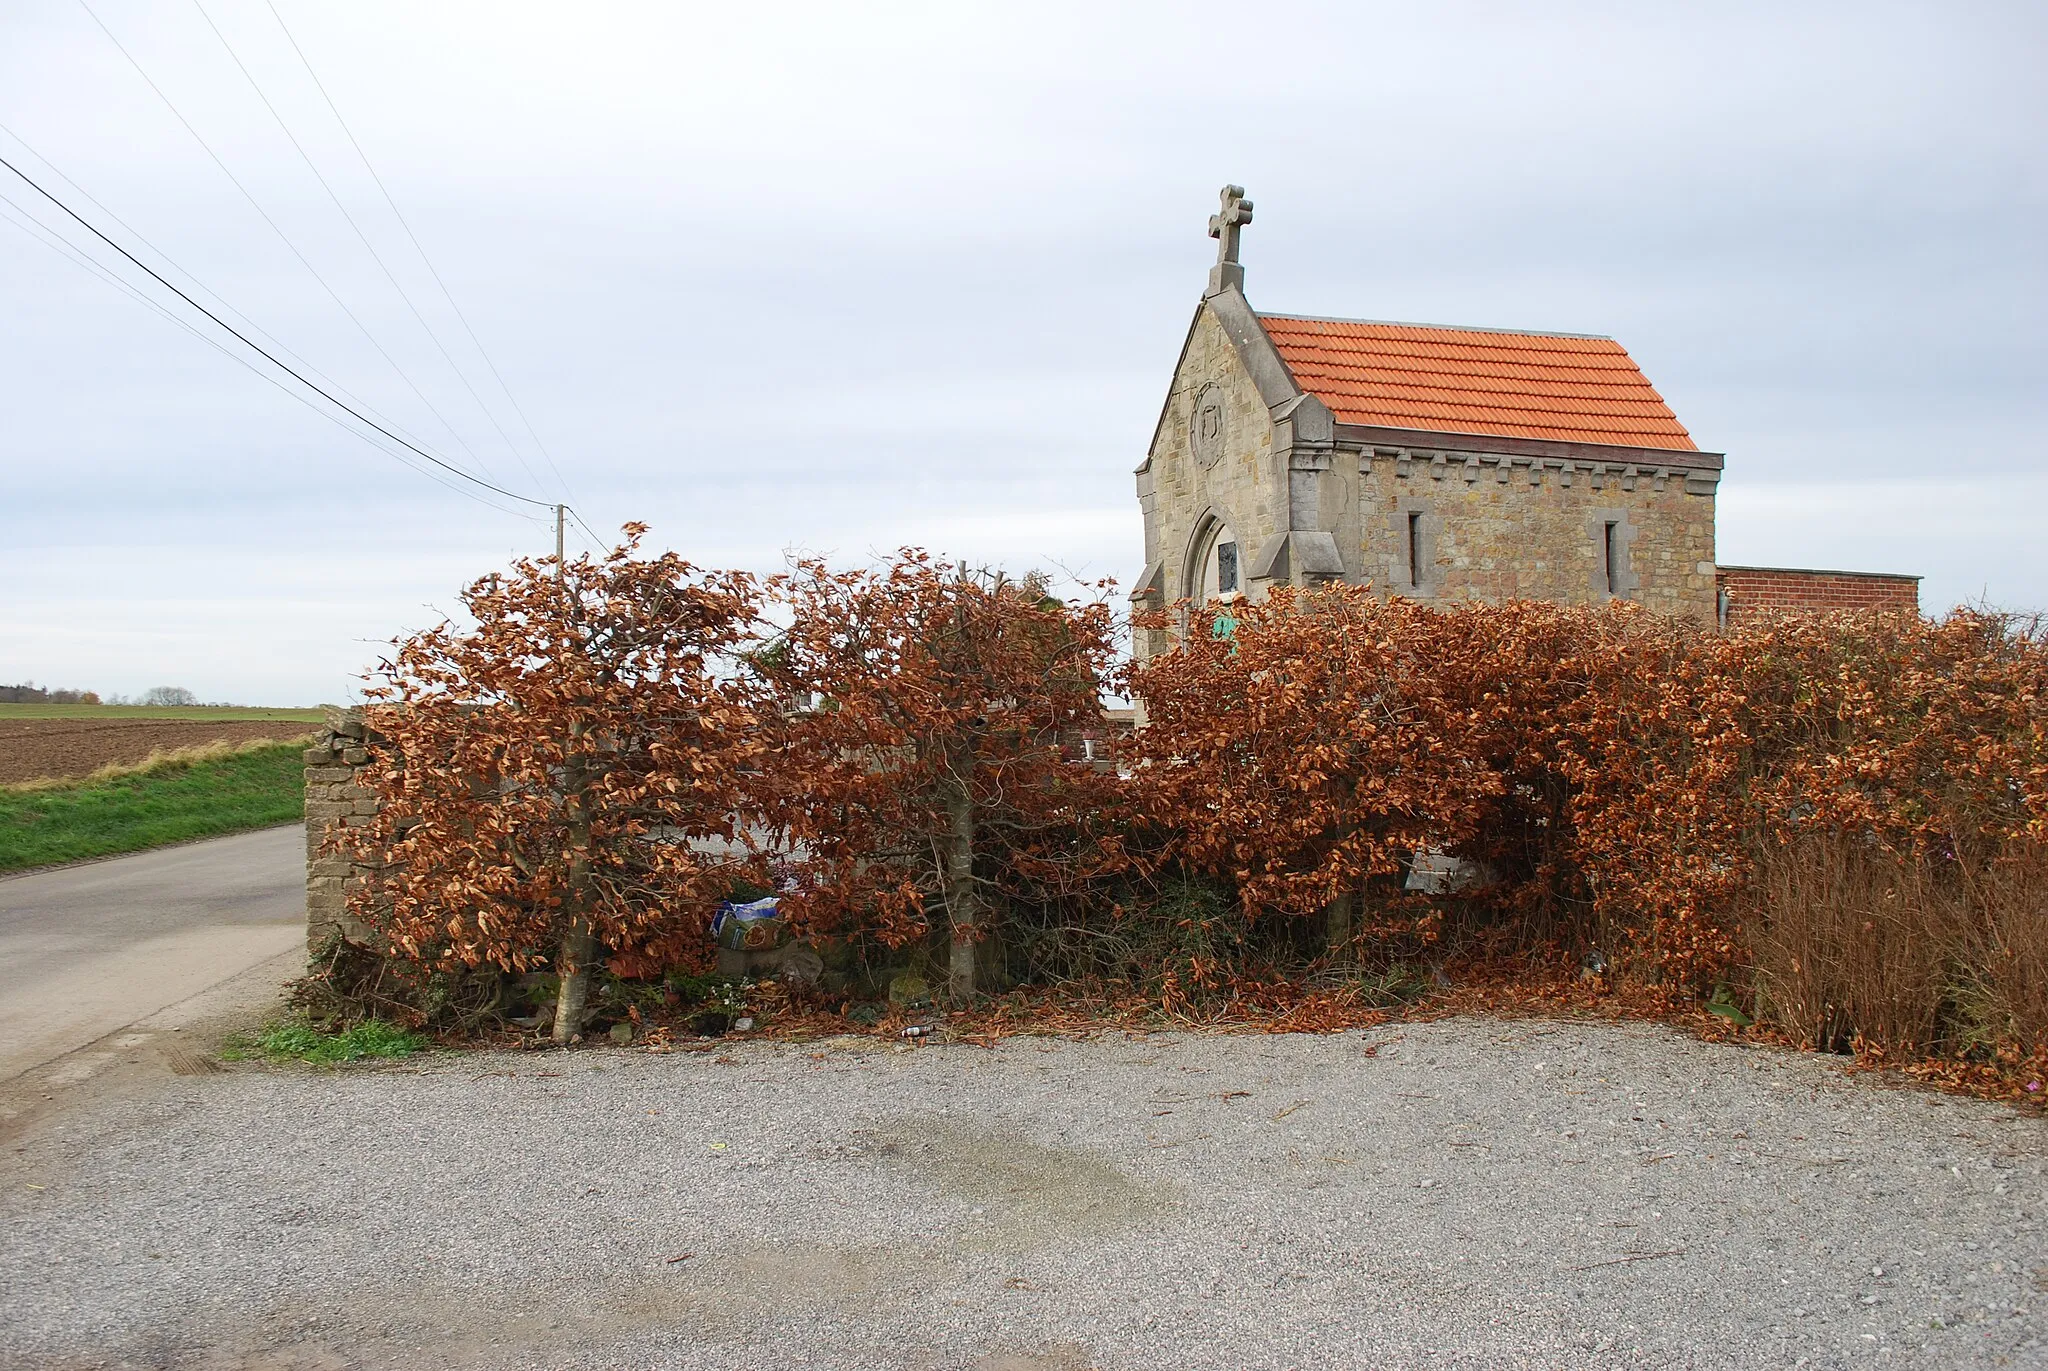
(1238, 486)
(334, 799)
(1496, 527)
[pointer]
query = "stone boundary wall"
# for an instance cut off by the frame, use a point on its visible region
(334, 800)
(1748, 591)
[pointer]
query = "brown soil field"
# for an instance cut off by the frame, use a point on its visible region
(32, 749)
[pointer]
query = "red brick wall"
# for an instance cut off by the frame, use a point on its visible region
(1751, 590)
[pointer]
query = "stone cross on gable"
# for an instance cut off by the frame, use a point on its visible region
(1224, 227)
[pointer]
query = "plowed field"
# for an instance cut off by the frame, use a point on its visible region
(31, 749)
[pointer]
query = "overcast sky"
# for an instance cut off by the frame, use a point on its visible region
(845, 277)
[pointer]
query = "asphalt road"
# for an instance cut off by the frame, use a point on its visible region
(93, 948)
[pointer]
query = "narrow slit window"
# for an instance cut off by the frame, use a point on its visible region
(1415, 551)
(1607, 558)
(1226, 568)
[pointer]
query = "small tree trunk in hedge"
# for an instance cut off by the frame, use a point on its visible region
(1339, 923)
(963, 902)
(579, 950)
(579, 944)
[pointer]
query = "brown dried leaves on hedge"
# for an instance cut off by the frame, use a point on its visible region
(573, 755)
(1834, 825)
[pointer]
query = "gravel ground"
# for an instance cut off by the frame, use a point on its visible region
(1471, 1193)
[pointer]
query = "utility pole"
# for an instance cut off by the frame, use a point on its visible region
(579, 944)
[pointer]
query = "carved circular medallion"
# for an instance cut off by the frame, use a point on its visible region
(1208, 424)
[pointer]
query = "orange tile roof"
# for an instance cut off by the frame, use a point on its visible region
(1459, 380)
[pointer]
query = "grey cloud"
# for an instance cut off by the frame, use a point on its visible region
(775, 276)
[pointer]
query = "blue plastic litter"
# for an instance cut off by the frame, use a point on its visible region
(751, 927)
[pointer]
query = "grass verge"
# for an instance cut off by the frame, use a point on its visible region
(170, 799)
(297, 1040)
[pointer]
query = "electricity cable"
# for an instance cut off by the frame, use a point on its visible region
(34, 228)
(406, 224)
(39, 232)
(368, 246)
(253, 346)
(282, 236)
(205, 290)
(600, 543)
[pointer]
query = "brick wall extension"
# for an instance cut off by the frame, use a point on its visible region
(334, 799)
(1749, 591)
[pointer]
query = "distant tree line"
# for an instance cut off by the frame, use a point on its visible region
(29, 693)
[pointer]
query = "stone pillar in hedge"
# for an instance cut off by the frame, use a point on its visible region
(334, 800)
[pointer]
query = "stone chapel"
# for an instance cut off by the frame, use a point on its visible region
(1436, 462)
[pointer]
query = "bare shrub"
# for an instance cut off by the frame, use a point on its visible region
(2004, 998)
(1850, 940)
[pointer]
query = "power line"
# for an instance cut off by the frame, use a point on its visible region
(34, 228)
(594, 538)
(29, 225)
(282, 236)
(418, 247)
(363, 238)
(267, 355)
(205, 290)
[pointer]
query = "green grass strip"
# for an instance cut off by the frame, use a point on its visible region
(167, 804)
(298, 1039)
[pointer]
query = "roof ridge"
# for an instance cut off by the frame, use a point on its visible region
(1448, 328)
